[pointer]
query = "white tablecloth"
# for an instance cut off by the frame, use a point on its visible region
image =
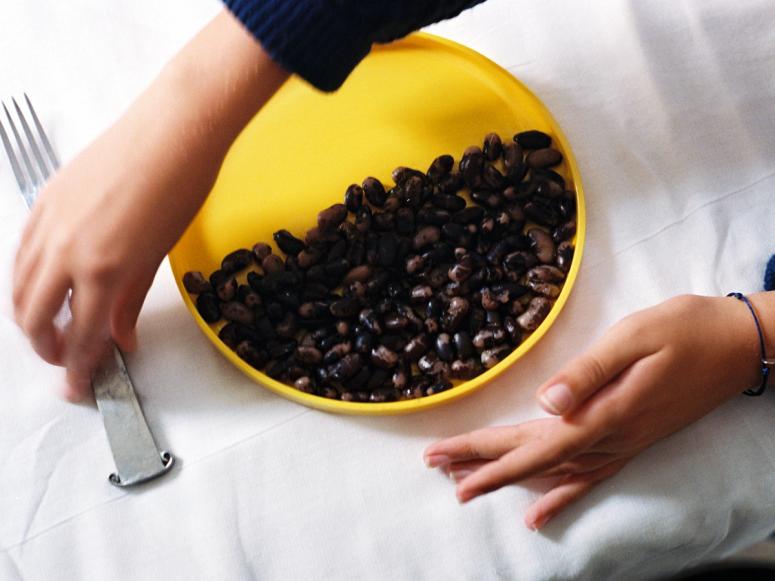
(670, 107)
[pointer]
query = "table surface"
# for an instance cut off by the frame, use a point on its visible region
(670, 108)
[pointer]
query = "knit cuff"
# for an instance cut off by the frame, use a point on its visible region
(305, 37)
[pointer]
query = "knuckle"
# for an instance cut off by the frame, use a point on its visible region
(592, 369)
(100, 271)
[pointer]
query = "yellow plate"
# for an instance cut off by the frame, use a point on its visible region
(405, 104)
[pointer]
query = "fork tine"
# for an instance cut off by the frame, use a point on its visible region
(44, 170)
(22, 150)
(21, 179)
(43, 137)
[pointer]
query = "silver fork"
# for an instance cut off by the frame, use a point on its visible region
(135, 453)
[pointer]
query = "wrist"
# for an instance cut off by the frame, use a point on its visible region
(747, 327)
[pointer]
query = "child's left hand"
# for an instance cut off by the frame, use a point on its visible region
(650, 375)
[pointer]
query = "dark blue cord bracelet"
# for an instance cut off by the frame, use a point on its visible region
(765, 363)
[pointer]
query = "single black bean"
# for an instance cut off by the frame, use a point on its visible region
(225, 286)
(304, 384)
(512, 155)
(564, 255)
(464, 368)
(237, 260)
(336, 352)
(566, 206)
(360, 273)
(384, 221)
(417, 347)
(252, 355)
(287, 327)
(272, 263)
(287, 242)
(440, 167)
(195, 283)
(345, 307)
(491, 357)
(463, 345)
(433, 216)
(541, 212)
(375, 191)
(542, 244)
(536, 312)
(444, 347)
(421, 293)
(512, 330)
(309, 355)
(550, 189)
(346, 367)
(520, 261)
(237, 312)
(400, 378)
(545, 273)
(543, 158)
(448, 202)
(469, 215)
(438, 387)
(471, 165)
(364, 342)
(533, 139)
(405, 221)
(564, 231)
(261, 250)
(353, 198)
(383, 357)
(414, 264)
(426, 236)
(309, 257)
(370, 321)
(492, 146)
(377, 282)
(330, 218)
(544, 288)
(493, 178)
(363, 219)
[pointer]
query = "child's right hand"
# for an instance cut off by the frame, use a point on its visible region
(103, 224)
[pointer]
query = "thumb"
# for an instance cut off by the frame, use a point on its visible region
(585, 375)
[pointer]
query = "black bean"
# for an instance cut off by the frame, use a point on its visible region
(336, 269)
(378, 378)
(330, 218)
(384, 221)
(564, 255)
(544, 288)
(543, 158)
(346, 367)
(440, 167)
(353, 198)
(564, 231)
(491, 357)
(360, 380)
(471, 165)
(434, 216)
(375, 191)
(309, 355)
(237, 312)
(493, 178)
(464, 368)
(208, 306)
(421, 293)
(196, 283)
(520, 261)
(272, 263)
(417, 347)
(533, 139)
(387, 249)
(492, 146)
(438, 387)
(236, 261)
(426, 236)
(336, 352)
(414, 264)
(261, 250)
(463, 345)
(383, 357)
(225, 286)
(345, 307)
(448, 202)
(370, 321)
(545, 273)
(541, 212)
(363, 219)
(536, 312)
(444, 347)
(469, 215)
(542, 244)
(253, 356)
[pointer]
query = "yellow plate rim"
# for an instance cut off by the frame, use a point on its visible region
(472, 385)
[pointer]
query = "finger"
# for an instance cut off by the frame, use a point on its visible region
(487, 443)
(87, 337)
(566, 390)
(568, 491)
(24, 273)
(126, 310)
(457, 471)
(45, 299)
(531, 459)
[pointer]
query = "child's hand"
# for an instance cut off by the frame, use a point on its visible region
(105, 221)
(650, 375)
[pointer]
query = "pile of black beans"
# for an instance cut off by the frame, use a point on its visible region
(398, 291)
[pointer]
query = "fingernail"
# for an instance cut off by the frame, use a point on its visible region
(436, 460)
(537, 523)
(556, 399)
(458, 475)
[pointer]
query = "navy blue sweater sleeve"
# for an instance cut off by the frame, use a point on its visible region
(323, 40)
